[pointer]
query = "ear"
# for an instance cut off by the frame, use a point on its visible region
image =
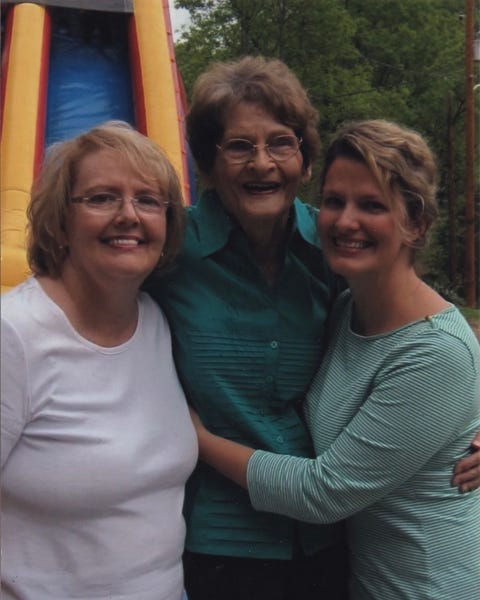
(416, 233)
(306, 174)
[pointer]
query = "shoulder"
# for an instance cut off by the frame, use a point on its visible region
(440, 349)
(21, 292)
(154, 328)
(150, 312)
(24, 305)
(208, 225)
(453, 338)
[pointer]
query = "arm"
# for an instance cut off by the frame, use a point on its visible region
(13, 390)
(386, 443)
(466, 474)
(227, 457)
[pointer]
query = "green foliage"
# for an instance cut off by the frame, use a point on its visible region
(396, 59)
(472, 314)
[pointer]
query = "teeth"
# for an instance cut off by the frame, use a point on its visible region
(356, 245)
(261, 186)
(123, 242)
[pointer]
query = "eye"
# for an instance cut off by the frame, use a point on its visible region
(374, 206)
(287, 142)
(238, 145)
(102, 199)
(332, 201)
(147, 200)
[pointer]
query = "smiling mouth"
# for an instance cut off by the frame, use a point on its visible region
(261, 188)
(351, 244)
(123, 242)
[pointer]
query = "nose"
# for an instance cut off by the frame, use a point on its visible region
(126, 210)
(261, 158)
(347, 218)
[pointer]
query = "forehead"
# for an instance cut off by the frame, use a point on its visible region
(103, 156)
(108, 164)
(251, 118)
(354, 177)
(347, 172)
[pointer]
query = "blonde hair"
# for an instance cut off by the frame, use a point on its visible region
(401, 163)
(268, 83)
(52, 190)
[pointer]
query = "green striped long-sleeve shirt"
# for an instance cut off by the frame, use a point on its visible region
(389, 417)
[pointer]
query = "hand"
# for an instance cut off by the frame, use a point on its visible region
(466, 474)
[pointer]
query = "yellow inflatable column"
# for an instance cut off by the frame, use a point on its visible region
(164, 122)
(23, 112)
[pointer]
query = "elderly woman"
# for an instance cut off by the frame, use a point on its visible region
(402, 362)
(248, 302)
(96, 439)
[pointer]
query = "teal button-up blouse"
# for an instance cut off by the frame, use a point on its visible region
(246, 353)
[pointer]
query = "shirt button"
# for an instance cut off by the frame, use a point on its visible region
(280, 439)
(274, 344)
(269, 379)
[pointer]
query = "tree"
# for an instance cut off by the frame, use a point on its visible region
(396, 59)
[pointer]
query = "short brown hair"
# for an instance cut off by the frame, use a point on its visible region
(400, 161)
(52, 190)
(266, 82)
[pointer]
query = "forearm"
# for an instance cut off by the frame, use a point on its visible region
(227, 457)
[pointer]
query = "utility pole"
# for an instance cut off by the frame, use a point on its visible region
(469, 278)
(451, 193)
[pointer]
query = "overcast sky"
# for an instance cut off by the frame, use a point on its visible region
(178, 17)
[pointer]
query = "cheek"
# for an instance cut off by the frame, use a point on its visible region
(223, 174)
(158, 232)
(322, 222)
(69, 226)
(74, 236)
(394, 230)
(293, 175)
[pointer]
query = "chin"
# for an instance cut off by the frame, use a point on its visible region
(345, 268)
(131, 271)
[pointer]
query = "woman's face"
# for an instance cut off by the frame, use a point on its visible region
(260, 189)
(119, 244)
(360, 230)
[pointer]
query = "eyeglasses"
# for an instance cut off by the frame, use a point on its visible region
(237, 151)
(107, 202)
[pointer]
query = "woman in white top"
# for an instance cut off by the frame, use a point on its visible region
(97, 442)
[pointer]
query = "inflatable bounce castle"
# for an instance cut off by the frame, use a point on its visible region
(68, 65)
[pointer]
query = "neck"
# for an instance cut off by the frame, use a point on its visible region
(102, 314)
(267, 243)
(389, 303)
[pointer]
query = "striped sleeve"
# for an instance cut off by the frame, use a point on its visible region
(410, 414)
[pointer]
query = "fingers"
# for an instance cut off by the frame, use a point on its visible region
(467, 471)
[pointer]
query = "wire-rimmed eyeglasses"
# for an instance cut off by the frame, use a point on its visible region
(108, 202)
(280, 148)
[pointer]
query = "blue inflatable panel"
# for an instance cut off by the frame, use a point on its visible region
(191, 176)
(89, 83)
